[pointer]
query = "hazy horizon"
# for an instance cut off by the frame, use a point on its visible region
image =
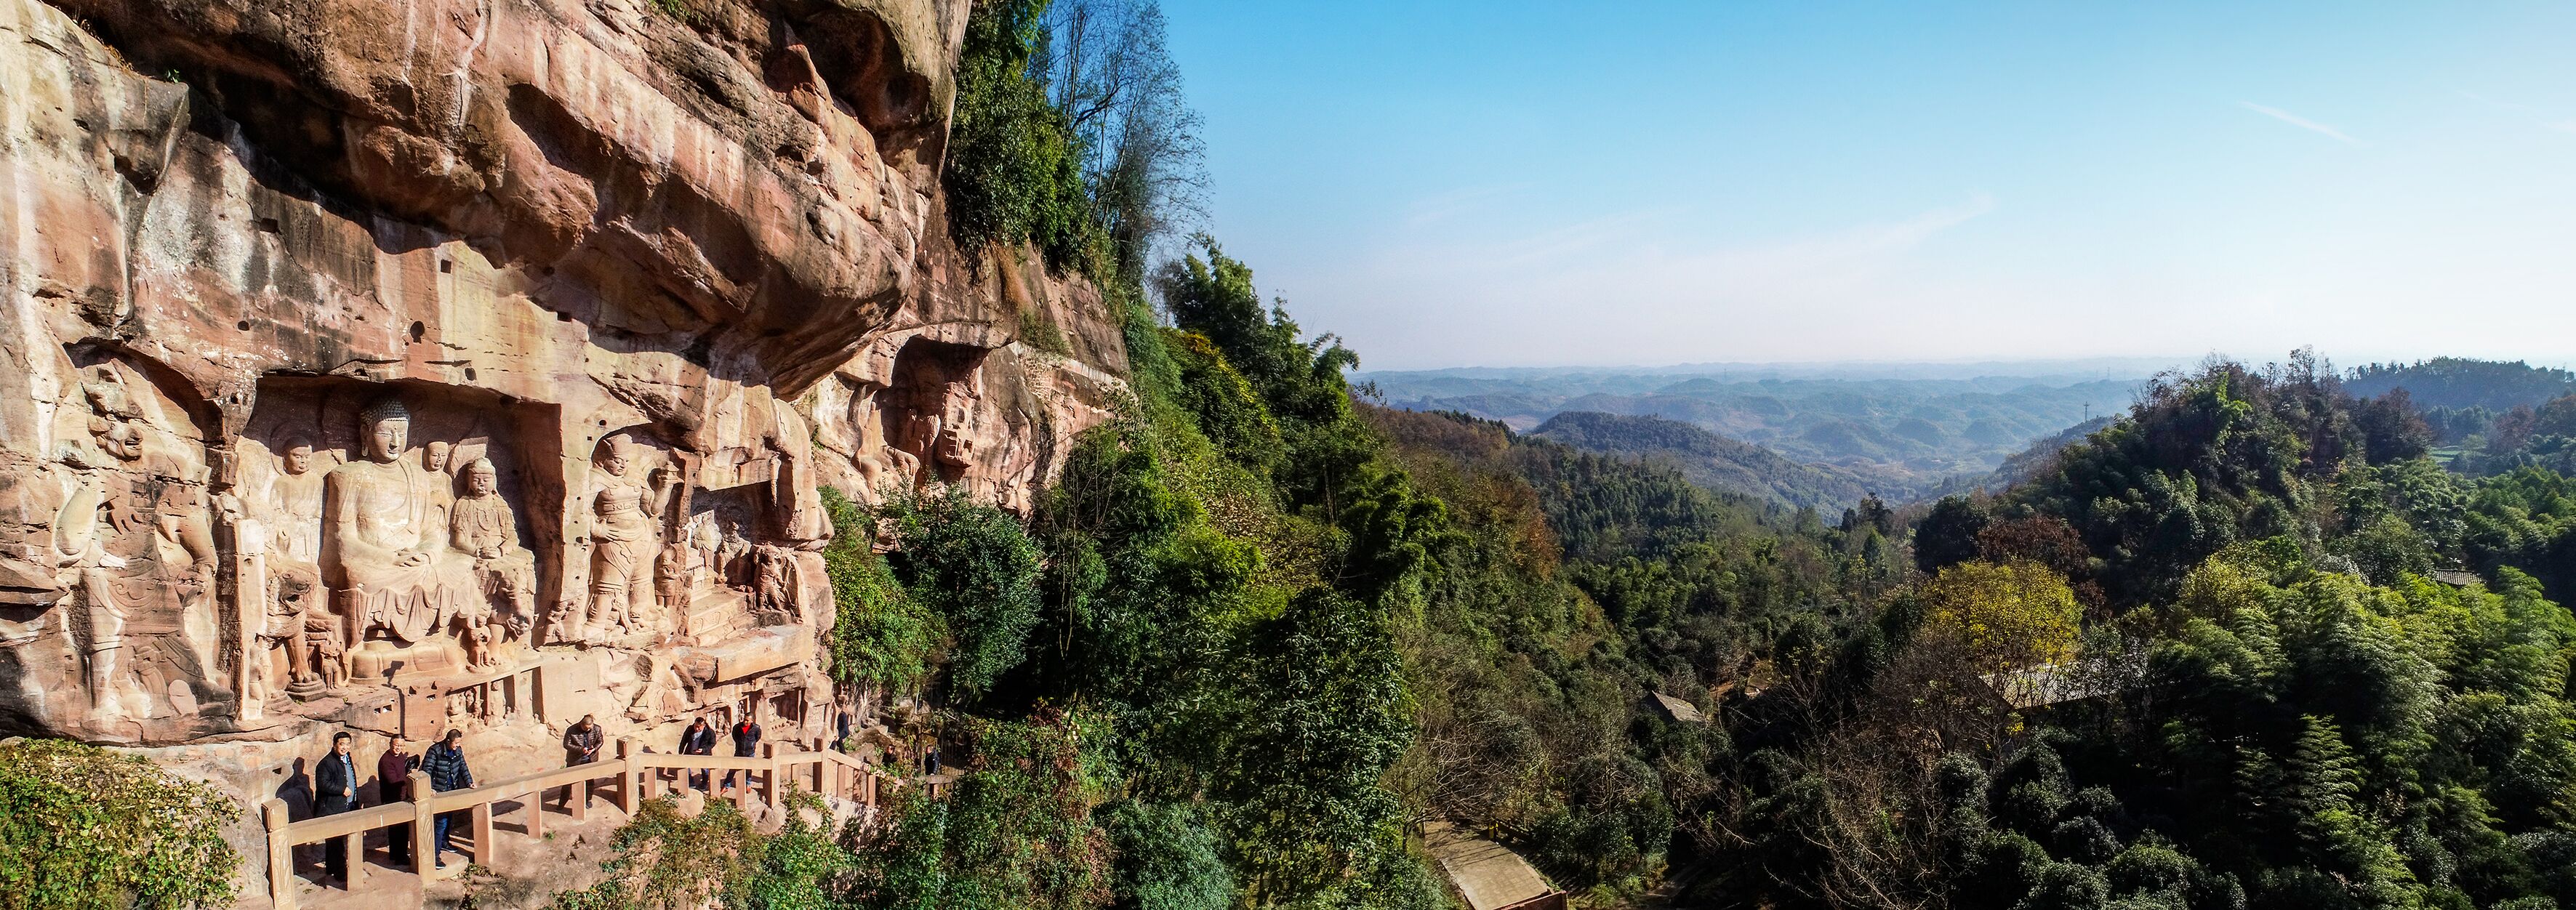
(1526, 185)
(2005, 366)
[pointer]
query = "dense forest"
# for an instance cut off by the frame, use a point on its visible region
(2251, 644)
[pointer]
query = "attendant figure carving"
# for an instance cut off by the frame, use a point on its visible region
(438, 487)
(298, 524)
(485, 528)
(385, 551)
(625, 537)
(770, 598)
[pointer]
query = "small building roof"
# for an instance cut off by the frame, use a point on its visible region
(2455, 577)
(1487, 875)
(2059, 683)
(1676, 708)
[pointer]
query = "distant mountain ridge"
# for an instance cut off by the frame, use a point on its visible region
(1709, 460)
(2457, 382)
(1892, 428)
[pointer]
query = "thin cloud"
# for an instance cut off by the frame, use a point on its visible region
(2301, 122)
(2537, 117)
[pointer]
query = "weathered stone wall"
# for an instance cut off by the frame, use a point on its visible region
(476, 363)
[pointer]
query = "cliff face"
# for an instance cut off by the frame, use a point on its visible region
(477, 363)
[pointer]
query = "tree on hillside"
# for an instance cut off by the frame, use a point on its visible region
(1948, 534)
(2391, 429)
(2007, 615)
(1120, 92)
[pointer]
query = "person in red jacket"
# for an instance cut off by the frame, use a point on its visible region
(746, 743)
(393, 785)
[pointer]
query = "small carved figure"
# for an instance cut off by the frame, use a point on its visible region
(113, 418)
(671, 575)
(730, 557)
(330, 658)
(479, 654)
(770, 596)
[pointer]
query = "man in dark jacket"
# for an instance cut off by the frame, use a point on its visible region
(445, 765)
(335, 790)
(699, 739)
(746, 743)
(393, 785)
(581, 747)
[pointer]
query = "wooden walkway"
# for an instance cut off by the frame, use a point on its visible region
(635, 776)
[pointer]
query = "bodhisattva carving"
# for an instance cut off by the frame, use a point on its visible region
(388, 564)
(142, 559)
(298, 526)
(485, 527)
(625, 536)
(438, 487)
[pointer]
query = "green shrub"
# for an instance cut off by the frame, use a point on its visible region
(82, 827)
(880, 637)
(1015, 832)
(975, 567)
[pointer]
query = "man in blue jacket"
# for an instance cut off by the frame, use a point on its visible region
(445, 765)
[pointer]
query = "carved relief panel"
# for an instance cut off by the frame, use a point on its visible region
(388, 526)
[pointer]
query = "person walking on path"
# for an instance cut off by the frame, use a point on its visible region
(393, 785)
(335, 790)
(445, 765)
(746, 744)
(581, 747)
(699, 739)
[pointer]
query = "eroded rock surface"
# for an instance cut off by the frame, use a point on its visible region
(478, 363)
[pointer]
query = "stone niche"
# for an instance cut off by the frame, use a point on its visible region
(388, 533)
(914, 409)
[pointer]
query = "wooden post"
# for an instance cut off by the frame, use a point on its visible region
(483, 852)
(353, 853)
(630, 782)
(424, 842)
(536, 803)
(769, 779)
(281, 854)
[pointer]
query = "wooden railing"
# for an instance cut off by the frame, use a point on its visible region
(639, 776)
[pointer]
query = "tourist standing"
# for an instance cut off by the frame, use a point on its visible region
(393, 785)
(746, 743)
(699, 739)
(335, 790)
(445, 765)
(581, 747)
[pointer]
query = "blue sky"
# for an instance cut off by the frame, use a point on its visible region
(1505, 183)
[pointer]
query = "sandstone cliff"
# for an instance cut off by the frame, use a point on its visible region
(477, 363)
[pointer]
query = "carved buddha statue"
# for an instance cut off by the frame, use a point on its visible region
(385, 555)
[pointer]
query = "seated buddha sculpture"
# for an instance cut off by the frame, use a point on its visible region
(387, 561)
